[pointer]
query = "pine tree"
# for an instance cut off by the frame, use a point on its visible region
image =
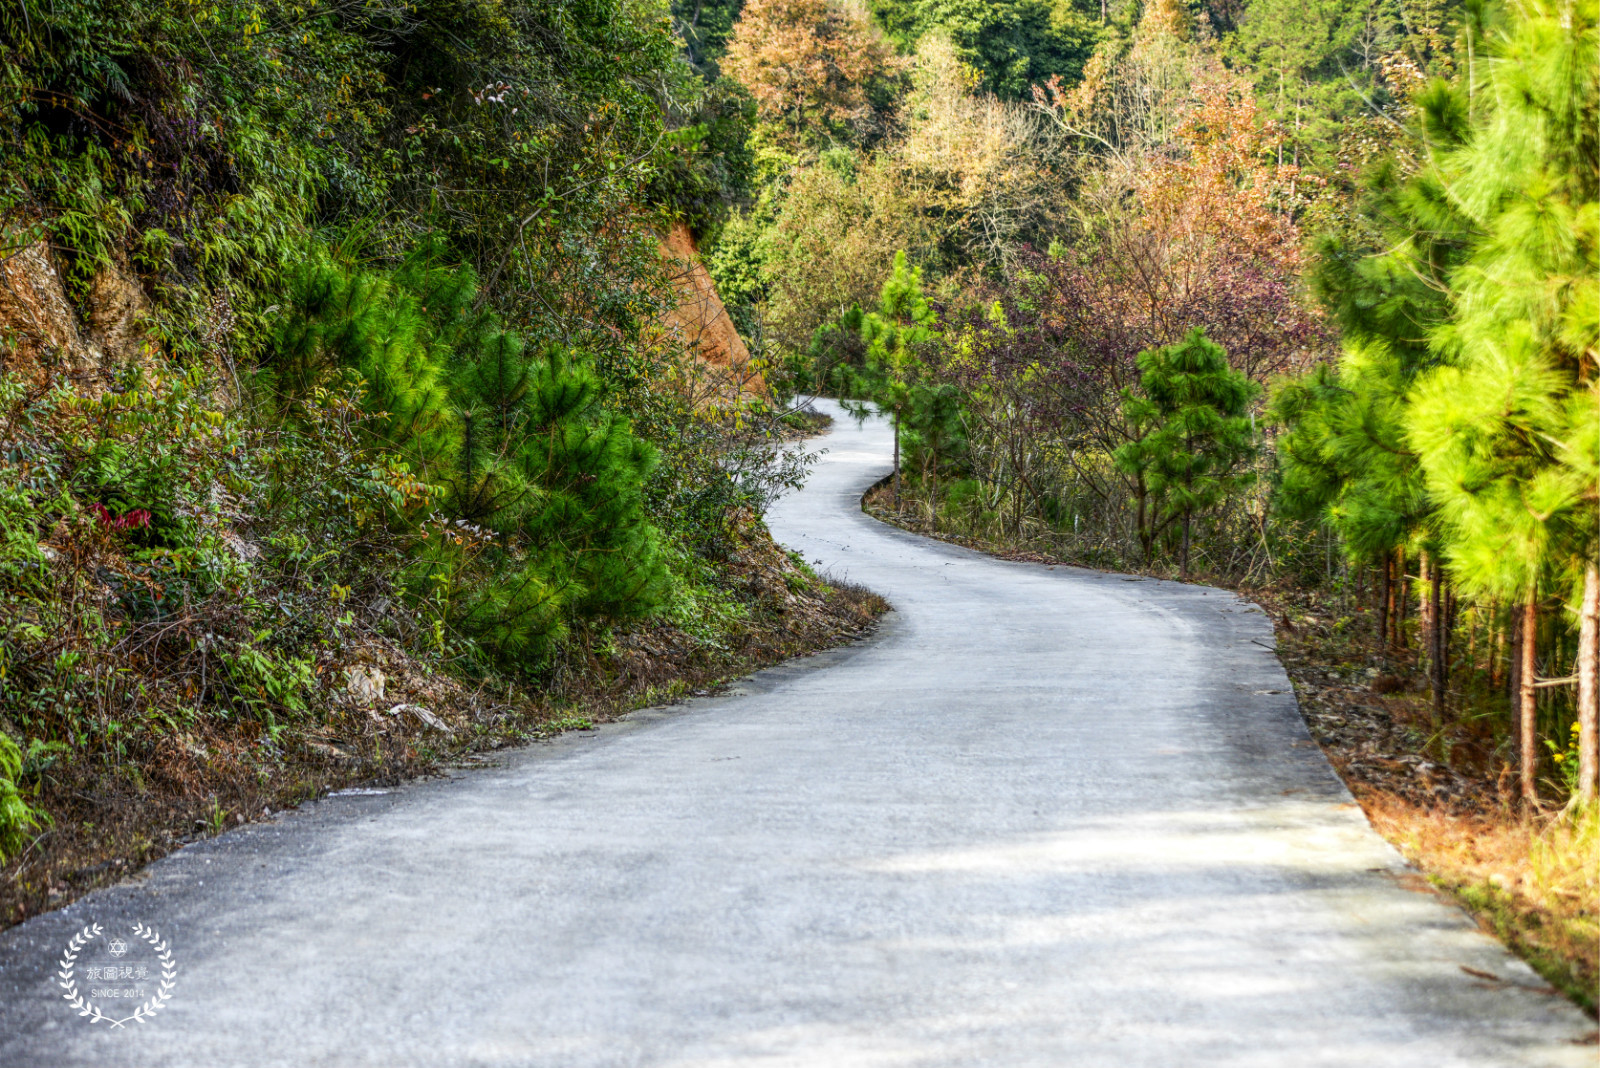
(1192, 436)
(1508, 429)
(892, 334)
(538, 487)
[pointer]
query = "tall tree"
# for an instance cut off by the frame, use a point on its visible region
(808, 63)
(1508, 428)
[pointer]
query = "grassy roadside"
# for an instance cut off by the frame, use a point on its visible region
(395, 717)
(1441, 795)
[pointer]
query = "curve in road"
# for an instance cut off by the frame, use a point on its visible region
(1044, 817)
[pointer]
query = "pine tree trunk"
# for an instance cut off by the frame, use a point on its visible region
(1424, 611)
(1589, 685)
(1184, 561)
(1146, 540)
(1452, 619)
(1514, 668)
(1497, 646)
(1385, 603)
(1402, 599)
(1438, 639)
(1472, 644)
(896, 422)
(1527, 701)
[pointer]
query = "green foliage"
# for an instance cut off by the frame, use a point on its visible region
(1338, 78)
(704, 27)
(115, 513)
(1191, 435)
(1508, 429)
(703, 164)
(205, 139)
(1013, 44)
(735, 261)
(934, 434)
(536, 491)
(1462, 410)
(17, 817)
(890, 338)
(1343, 456)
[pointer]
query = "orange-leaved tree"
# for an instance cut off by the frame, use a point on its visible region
(807, 63)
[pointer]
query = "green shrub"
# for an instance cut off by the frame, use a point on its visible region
(534, 511)
(16, 816)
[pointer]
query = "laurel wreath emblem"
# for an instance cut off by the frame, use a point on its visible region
(88, 1008)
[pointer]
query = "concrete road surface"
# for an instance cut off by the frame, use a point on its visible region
(1044, 817)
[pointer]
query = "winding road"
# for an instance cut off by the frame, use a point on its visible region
(1045, 816)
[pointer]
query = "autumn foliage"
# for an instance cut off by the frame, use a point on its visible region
(807, 63)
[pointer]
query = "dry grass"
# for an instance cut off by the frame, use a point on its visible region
(1533, 881)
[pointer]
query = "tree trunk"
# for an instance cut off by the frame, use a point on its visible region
(1514, 668)
(1016, 512)
(1527, 701)
(1146, 540)
(1183, 564)
(896, 422)
(1472, 643)
(1497, 645)
(1589, 684)
(1385, 603)
(1452, 620)
(1425, 611)
(1438, 638)
(1402, 598)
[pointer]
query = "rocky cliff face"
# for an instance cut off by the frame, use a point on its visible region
(701, 325)
(42, 330)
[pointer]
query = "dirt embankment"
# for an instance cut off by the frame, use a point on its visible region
(701, 326)
(40, 329)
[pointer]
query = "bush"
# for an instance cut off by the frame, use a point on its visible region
(16, 817)
(532, 515)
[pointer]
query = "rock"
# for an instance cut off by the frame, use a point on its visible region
(365, 683)
(337, 753)
(423, 716)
